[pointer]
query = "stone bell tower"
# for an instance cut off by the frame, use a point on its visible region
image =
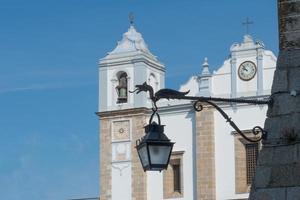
(123, 115)
(278, 171)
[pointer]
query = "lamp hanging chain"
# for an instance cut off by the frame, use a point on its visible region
(154, 112)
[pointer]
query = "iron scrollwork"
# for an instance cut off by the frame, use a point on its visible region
(258, 132)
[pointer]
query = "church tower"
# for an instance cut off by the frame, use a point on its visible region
(123, 115)
(129, 64)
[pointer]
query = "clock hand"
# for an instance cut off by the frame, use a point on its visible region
(244, 68)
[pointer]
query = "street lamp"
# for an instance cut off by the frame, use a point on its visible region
(154, 149)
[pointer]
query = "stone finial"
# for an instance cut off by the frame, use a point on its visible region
(205, 65)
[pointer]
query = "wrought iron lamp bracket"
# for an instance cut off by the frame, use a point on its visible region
(258, 132)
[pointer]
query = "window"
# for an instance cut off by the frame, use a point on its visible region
(251, 158)
(173, 177)
(122, 87)
(176, 175)
(246, 155)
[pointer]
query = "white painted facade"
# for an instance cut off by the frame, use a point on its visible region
(133, 57)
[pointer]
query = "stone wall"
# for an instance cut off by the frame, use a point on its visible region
(105, 159)
(240, 166)
(278, 171)
(205, 150)
(168, 177)
(139, 181)
(139, 177)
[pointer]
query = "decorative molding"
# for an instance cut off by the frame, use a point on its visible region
(124, 113)
(233, 67)
(121, 130)
(121, 152)
(132, 60)
(114, 165)
(260, 74)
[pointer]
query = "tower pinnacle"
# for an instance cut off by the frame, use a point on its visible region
(205, 65)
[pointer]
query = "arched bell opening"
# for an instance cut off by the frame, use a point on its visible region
(122, 87)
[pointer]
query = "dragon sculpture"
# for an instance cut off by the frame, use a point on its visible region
(160, 94)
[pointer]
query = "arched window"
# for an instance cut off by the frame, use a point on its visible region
(122, 87)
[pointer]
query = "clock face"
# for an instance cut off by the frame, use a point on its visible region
(247, 70)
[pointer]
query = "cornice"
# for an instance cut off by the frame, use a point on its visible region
(131, 60)
(122, 113)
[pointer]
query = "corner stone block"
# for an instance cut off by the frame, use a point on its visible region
(268, 194)
(265, 156)
(280, 82)
(284, 104)
(288, 59)
(285, 155)
(285, 175)
(279, 127)
(294, 81)
(262, 176)
(273, 129)
(292, 7)
(293, 193)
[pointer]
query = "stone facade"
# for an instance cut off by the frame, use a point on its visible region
(241, 185)
(278, 170)
(168, 176)
(139, 177)
(107, 119)
(105, 159)
(206, 189)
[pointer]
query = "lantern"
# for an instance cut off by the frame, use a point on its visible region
(155, 148)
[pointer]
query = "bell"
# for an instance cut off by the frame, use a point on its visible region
(122, 94)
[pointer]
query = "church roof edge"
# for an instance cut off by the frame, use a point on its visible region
(247, 44)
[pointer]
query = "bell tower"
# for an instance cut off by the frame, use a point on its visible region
(129, 64)
(123, 115)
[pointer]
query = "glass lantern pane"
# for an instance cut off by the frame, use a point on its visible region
(159, 154)
(143, 153)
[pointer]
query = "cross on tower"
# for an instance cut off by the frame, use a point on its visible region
(247, 23)
(131, 18)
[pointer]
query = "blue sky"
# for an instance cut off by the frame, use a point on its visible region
(49, 52)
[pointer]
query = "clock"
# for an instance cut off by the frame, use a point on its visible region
(247, 71)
